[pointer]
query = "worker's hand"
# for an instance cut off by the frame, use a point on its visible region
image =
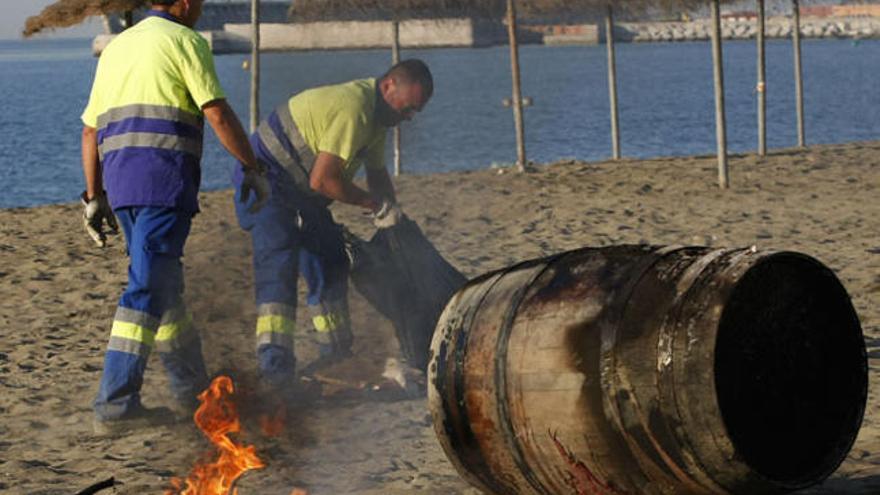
(97, 211)
(388, 215)
(255, 180)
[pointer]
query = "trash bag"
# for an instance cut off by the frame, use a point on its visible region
(401, 274)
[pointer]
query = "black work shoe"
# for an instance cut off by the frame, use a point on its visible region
(141, 418)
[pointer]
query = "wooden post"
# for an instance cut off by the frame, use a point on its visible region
(517, 93)
(395, 58)
(798, 72)
(612, 82)
(762, 84)
(255, 64)
(720, 125)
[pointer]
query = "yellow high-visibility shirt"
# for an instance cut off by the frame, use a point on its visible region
(150, 85)
(155, 62)
(339, 119)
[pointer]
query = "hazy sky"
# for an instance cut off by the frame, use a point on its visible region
(14, 12)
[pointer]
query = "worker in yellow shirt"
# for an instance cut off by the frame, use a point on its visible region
(312, 146)
(154, 87)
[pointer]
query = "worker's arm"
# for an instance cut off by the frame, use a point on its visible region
(228, 128)
(91, 164)
(380, 185)
(327, 179)
(97, 210)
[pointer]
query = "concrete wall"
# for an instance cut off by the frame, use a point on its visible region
(219, 41)
(373, 34)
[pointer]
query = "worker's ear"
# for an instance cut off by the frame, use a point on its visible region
(386, 86)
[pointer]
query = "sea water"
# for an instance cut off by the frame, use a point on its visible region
(665, 92)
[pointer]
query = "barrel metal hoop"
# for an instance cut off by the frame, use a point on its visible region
(612, 381)
(504, 332)
(458, 355)
(684, 298)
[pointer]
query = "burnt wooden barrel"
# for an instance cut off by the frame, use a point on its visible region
(638, 369)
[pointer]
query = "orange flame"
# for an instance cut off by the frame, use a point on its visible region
(217, 417)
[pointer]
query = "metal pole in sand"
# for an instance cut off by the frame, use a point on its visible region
(395, 58)
(720, 129)
(798, 72)
(255, 64)
(761, 88)
(517, 93)
(612, 82)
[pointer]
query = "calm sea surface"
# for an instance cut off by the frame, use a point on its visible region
(665, 93)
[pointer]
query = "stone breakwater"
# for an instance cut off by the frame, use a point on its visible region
(775, 27)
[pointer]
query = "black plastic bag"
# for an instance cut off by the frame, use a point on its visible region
(403, 276)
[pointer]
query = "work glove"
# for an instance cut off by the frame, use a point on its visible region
(97, 211)
(388, 215)
(255, 180)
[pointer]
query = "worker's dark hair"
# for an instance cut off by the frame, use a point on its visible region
(163, 2)
(412, 70)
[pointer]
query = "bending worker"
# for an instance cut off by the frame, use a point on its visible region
(142, 142)
(312, 146)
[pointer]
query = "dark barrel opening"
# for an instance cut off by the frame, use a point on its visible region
(790, 370)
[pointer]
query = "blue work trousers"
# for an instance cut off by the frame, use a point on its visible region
(151, 314)
(294, 234)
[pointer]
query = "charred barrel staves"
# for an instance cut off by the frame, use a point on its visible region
(632, 369)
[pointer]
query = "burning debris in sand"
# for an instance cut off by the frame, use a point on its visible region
(218, 418)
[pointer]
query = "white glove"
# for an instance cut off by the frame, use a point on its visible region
(255, 180)
(97, 210)
(388, 216)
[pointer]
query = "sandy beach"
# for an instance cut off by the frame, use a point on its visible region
(58, 294)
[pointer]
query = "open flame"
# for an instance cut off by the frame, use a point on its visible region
(217, 417)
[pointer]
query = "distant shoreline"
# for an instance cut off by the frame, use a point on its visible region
(505, 169)
(464, 32)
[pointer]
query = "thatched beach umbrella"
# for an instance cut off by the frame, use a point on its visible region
(66, 13)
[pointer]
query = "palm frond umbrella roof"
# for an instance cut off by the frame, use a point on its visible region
(66, 13)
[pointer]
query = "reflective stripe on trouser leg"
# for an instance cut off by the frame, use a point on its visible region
(327, 279)
(276, 323)
(131, 340)
(332, 324)
(180, 350)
